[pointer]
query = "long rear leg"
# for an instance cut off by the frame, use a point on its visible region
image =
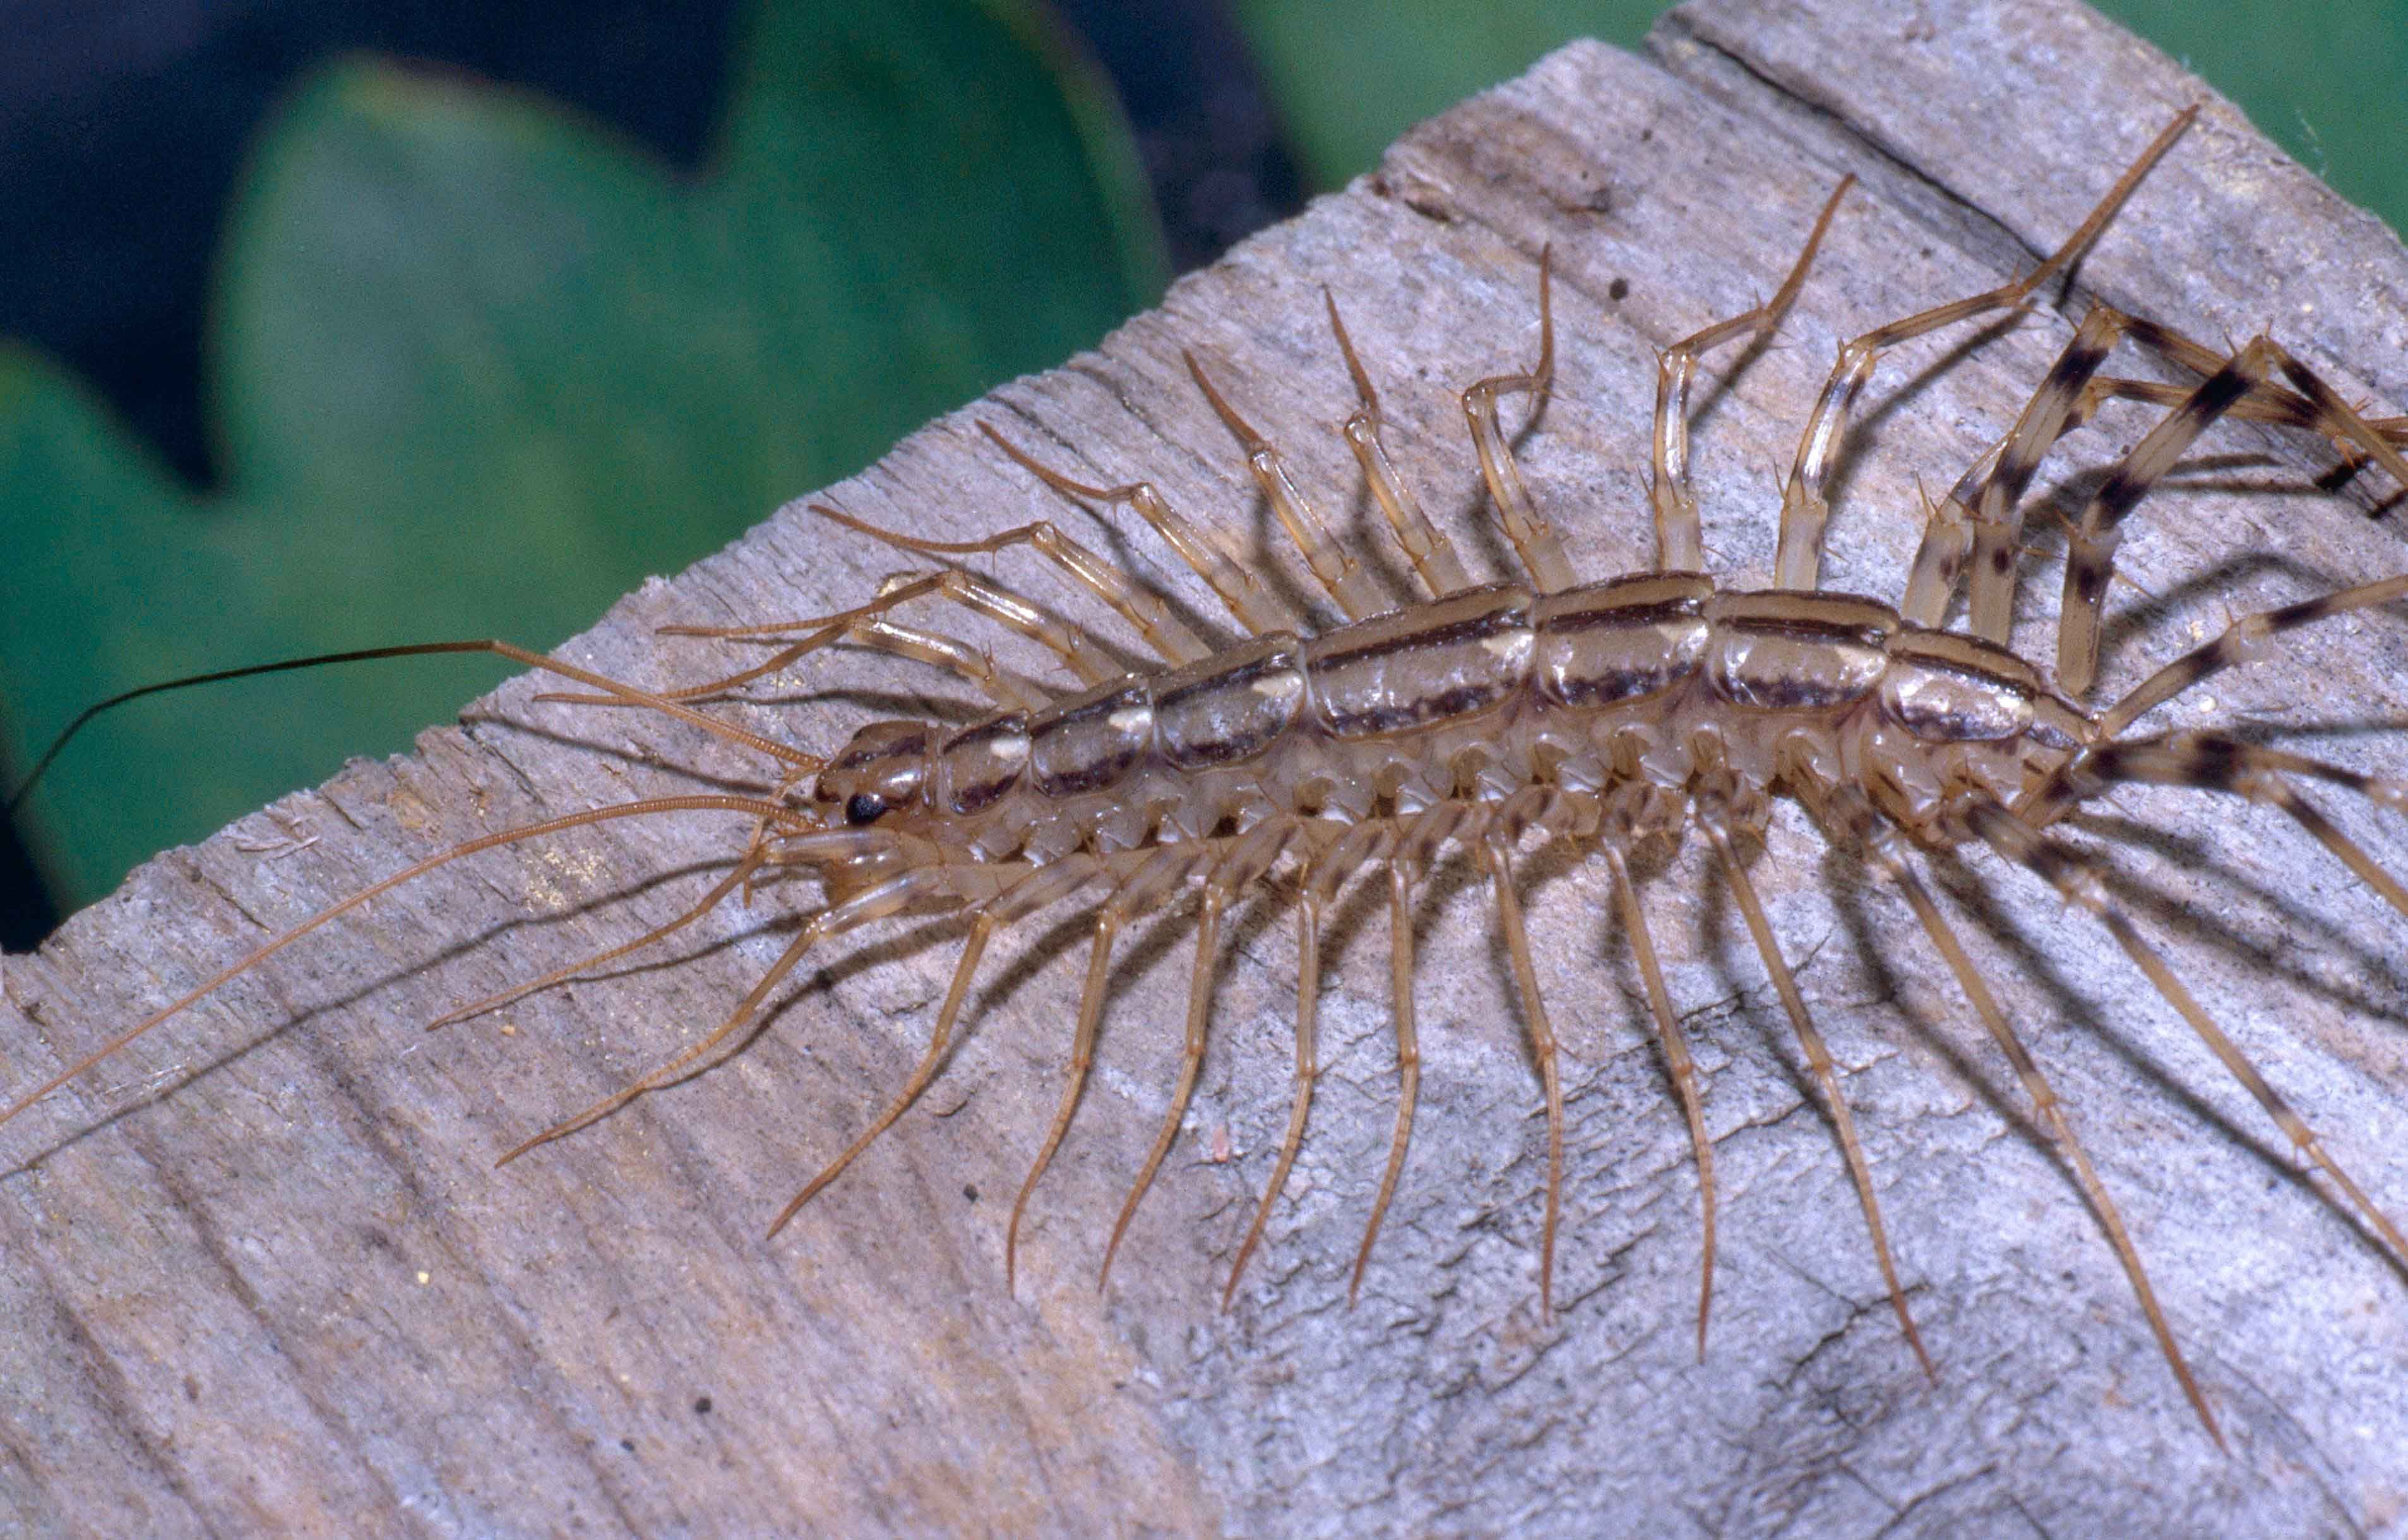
(1804, 512)
(2079, 876)
(2091, 553)
(1847, 808)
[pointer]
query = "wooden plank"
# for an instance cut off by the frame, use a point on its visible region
(261, 1276)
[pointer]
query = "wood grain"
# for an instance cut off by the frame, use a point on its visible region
(260, 1277)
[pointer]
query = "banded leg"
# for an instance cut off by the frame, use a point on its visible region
(1819, 1060)
(1533, 539)
(2241, 642)
(1132, 600)
(2211, 762)
(1680, 537)
(1804, 510)
(1678, 1060)
(1249, 601)
(1308, 1003)
(2079, 876)
(1425, 545)
(1339, 575)
(2091, 553)
(1493, 855)
(1847, 808)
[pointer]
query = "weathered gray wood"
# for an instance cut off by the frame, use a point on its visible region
(259, 1276)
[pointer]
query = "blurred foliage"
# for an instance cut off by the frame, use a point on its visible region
(2325, 82)
(477, 368)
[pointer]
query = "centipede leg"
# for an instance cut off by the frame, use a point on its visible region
(1248, 599)
(983, 596)
(1133, 601)
(1534, 540)
(1339, 574)
(1848, 807)
(2211, 762)
(2078, 876)
(983, 930)
(1409, 1059)
(1677, 1059)
(1425, 545)
(889, 898)
(1826, 1071)
(1308, 999)
(743, 874)
(1542, 1047)
(1082, 1057)
(1804, 510)
(1680, 539)
(1199, 1010)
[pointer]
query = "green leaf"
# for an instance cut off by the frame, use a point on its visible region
(478, 367)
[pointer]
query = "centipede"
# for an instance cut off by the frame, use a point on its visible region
(1401, 719)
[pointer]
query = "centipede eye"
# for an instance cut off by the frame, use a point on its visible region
(863, 808)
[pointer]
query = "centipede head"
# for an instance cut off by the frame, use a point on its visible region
(867, 802)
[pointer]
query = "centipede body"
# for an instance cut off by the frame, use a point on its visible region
(1636, 1143)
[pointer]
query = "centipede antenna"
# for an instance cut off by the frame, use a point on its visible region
(1307, 998)
(648, 807)
(1409, 1059)
(981, 930)
(1819, 1060)
(1678, 1060)
(1199, 1011)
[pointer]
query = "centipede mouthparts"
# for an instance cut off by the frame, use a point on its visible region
(1678, 855)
